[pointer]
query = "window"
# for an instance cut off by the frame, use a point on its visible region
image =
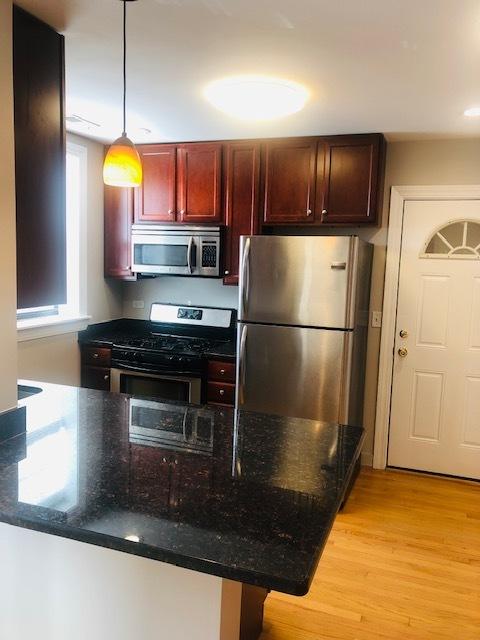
(459, 239)
(76, 163)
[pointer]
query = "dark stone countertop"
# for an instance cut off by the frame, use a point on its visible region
(244, 496)
(105, 334)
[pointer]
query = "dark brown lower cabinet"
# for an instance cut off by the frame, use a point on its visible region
(96, 378)
(221, 383)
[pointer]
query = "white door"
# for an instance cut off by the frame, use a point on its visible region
(435, 412)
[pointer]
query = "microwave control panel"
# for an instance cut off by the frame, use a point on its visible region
(209, 254)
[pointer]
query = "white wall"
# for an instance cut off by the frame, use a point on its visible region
(8, 287)
(57, 358)
(196, 291)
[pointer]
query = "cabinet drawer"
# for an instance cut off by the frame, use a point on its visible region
(96, 356)
(221, 371)
(221, 393)
(96, 378)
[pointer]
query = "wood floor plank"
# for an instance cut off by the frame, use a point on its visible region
(402, 563)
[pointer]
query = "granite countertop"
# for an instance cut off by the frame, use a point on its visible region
(106, 333)
(244, 496)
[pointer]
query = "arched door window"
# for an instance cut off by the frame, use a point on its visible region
(459, 239)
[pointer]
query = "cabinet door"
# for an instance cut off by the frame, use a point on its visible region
(155, 197)
(118, 211)
(38, 84)
(200, 182)
(290, 167)
(96, 378)
(241, 201)
(352, 180)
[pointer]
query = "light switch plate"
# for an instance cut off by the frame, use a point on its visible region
(138, 304)
(376, 319)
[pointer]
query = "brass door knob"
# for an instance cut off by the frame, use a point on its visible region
(402, 352)
(403, 333)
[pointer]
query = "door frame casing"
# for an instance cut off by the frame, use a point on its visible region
(399, 197)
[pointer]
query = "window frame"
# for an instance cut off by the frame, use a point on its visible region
(69, 318)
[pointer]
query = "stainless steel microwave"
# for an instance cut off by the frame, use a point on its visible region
(176, 250)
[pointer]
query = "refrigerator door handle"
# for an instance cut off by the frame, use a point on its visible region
(245, 275)
(241, 365)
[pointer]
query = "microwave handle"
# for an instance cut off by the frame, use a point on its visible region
(189, 254)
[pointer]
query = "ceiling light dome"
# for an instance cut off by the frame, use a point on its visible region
(256, 97)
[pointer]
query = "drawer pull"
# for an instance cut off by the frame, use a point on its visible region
(222, 392)
(95, 355)
(222, 372)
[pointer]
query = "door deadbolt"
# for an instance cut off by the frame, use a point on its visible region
(402, 352)
(403, 334)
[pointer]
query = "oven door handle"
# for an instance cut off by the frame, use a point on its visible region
(191, 245)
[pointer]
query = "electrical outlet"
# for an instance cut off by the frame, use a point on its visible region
(138, 304)
(376, 319)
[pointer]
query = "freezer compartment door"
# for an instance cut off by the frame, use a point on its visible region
(291, 280)
(293, 371)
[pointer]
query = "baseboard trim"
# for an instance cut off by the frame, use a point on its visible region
(367, 459)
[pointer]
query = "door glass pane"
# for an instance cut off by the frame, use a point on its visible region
(473, 234)
(164, 255)
(437, 245)
(453, 233)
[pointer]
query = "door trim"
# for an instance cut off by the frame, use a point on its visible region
(399, 196)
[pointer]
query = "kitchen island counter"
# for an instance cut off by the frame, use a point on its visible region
(243, 496)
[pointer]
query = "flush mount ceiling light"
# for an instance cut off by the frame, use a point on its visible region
(254, 97)
(473, 112)
(122, 166)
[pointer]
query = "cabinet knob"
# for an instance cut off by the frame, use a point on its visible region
(127, 267)
(95, 355)
(222, 392)
(170, 211)
(324, 212)
(106, 377)
(222, 372)
(403, 352)
(309, 212)
(182, 212)
(227, 273)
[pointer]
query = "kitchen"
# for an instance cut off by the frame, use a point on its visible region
(288, 178)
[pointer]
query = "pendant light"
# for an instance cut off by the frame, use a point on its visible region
(122, 166)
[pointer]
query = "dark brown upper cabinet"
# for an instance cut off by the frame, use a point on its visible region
(242, 198)
(290, 175)
(155, 198)
(349, 181)
(199, 183)
(40, 151)
(118, 220)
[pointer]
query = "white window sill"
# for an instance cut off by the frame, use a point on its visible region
(35, 328)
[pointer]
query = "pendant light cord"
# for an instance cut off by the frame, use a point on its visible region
(124, 67)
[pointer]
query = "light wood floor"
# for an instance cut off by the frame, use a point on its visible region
(402, 562)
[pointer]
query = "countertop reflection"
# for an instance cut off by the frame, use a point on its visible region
(245, 496)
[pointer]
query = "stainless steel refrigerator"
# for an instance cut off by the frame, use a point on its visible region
(303, 320)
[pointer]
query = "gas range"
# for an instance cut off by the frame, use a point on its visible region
(179, 342)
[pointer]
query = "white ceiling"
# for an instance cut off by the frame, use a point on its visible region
(408, 68)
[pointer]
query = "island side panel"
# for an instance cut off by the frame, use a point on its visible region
(54, 588)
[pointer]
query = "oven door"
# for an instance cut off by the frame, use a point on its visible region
(165, 387)
(164, 254)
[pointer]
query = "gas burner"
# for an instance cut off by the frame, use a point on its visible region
(185, 345)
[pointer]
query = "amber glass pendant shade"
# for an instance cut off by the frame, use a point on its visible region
(122, 166)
